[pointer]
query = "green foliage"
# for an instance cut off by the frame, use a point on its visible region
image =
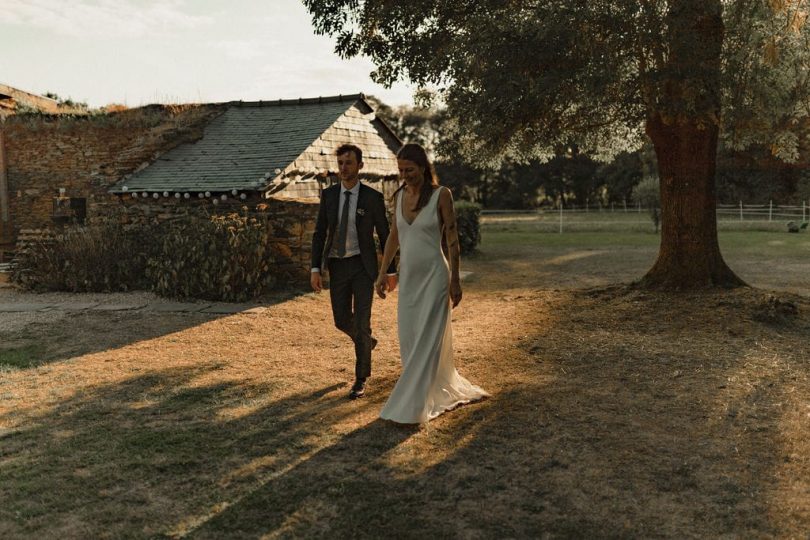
(570, 173)
(648, 193)
(765, 91)
(421, 125)
(221, 258)
(468, 217)
(226, 258)
(523, 78)
(519, 79)
(803, 186)
(623, 173)
(66, 102)
(103, 257)
(21, 357)
(753, 176)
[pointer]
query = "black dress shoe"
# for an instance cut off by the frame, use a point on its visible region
(373, 343)
(358, 389)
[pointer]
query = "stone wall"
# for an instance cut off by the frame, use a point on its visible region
(293, 223)
(86, 155)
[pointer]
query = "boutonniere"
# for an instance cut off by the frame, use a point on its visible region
(361, 212)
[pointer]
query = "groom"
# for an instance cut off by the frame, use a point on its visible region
(343, 244)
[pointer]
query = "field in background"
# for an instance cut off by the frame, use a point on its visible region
(621, 252)
(636, 219)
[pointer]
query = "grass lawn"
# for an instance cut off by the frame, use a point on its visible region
(767, 259)
(22, 357)
(618, 222)
(615, 412)
(775, 244)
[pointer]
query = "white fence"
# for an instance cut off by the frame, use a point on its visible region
(635, 217)
(769, 212)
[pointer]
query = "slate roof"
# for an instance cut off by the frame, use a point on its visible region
(243, 147)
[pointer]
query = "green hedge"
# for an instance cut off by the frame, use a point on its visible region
(224, 257)
(105, 257)
(468, 216)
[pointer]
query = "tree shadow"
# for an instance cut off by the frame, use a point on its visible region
(140, 456)
(643, 434)
(590, 433)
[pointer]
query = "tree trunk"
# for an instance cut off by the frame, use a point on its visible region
(683, 125)
(689, 256)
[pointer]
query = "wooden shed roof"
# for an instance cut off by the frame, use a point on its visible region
(245, 146)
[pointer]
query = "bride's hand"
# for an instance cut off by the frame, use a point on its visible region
(381, 286)
(455, 292)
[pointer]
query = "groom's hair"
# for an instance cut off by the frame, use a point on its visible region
(345, 148)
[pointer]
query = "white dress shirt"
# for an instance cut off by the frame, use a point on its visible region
(352, 243)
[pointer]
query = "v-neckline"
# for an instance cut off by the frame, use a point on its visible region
(419, 213)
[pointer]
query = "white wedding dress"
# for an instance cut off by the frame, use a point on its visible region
(429, 384)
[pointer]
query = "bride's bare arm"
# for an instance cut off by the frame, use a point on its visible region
(391, 247)
(448, 214)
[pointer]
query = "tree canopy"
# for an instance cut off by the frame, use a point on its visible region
(522, 77)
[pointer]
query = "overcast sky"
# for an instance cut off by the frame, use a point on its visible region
(137, 52)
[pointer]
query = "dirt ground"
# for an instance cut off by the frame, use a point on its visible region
(615, 412)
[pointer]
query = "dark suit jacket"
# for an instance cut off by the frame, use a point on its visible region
(370, 217)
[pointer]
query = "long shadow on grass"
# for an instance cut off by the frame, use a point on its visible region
(646, 432)
(497, 267)
(666, 424)
(154, 454)
(639, 430)
(92, 331)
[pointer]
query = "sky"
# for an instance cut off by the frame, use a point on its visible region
(136, 52)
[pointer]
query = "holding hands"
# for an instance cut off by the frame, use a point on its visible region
(385, 284)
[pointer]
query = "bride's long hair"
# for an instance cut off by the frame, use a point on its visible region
(414, 152)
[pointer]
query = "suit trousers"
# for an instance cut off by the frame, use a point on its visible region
(351, 291)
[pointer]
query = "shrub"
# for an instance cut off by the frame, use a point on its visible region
(468, 216)
(647, 193)
(103, 257)
(217, 258)
(223, 257)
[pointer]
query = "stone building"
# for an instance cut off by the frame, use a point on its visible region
(284, 149)
(12, 101)
(154, 163)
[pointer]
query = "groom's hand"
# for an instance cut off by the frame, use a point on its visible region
(316, 281)
(381, 285)
(391, 281)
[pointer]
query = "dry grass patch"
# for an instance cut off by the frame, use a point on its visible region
(615, 412)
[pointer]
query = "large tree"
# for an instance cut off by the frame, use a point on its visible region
(522, 77)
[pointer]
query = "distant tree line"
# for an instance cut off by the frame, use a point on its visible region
(753, 176)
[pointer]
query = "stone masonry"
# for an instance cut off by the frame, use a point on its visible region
(293, 223)
(86, 155)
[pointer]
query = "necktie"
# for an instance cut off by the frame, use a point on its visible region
(343, 227)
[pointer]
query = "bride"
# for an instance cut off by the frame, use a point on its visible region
(429, 384)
